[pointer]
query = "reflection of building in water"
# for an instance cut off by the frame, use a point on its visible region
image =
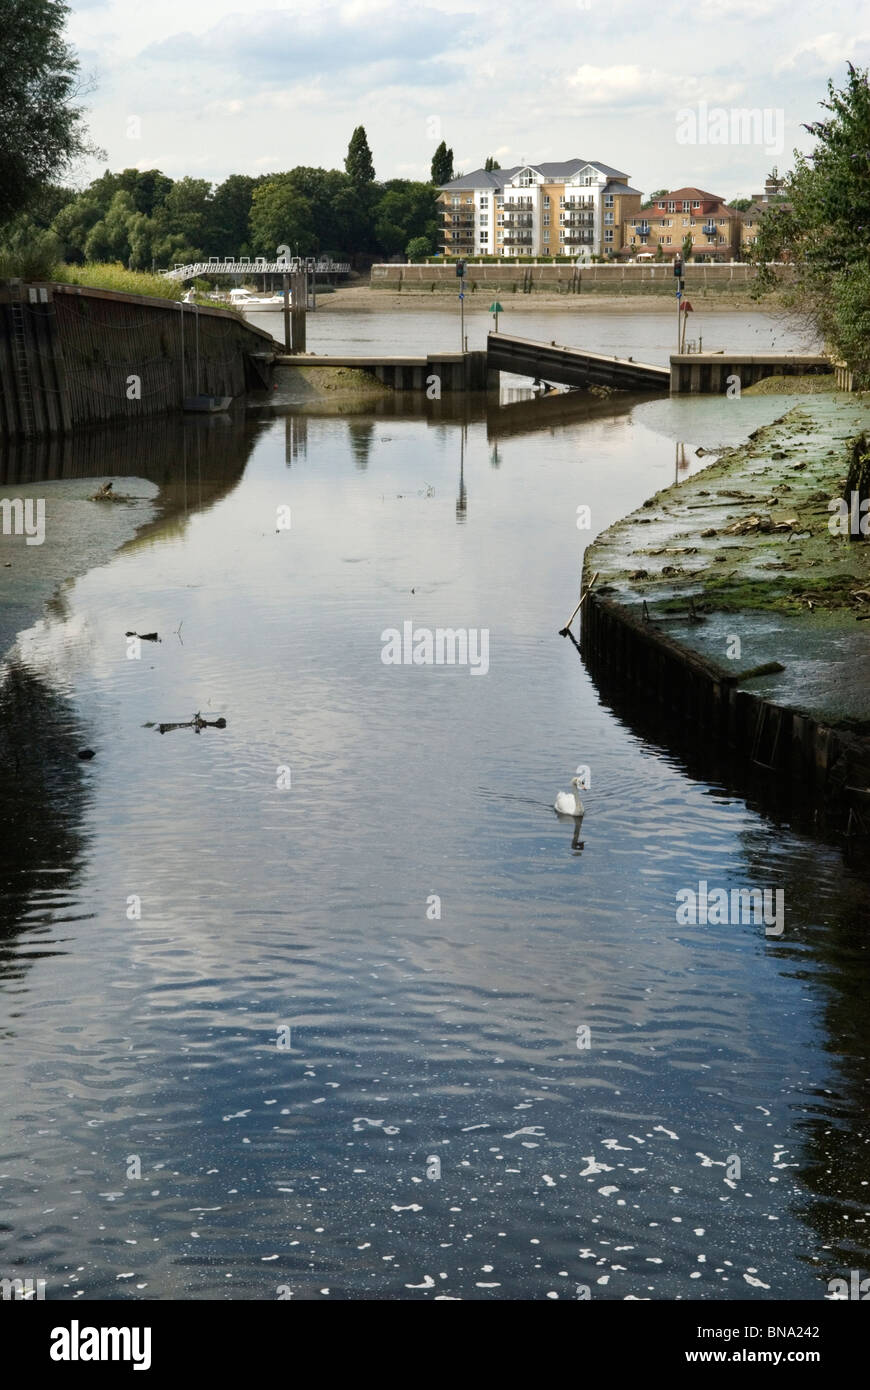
(295, 438)
(681, 463)
(361, 434)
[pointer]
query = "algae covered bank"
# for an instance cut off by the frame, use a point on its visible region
(737, 600)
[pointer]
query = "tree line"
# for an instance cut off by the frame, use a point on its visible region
(144, 217)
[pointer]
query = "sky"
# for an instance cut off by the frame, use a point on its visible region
(204, 88)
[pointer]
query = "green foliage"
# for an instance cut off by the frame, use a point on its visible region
(409, 210)
(490, 163)
(41, 130)
(28, 251)
(824, 227)
(740, 204)
(358, 162)
(281, 215)
(687, 247)
(442, 165)
(851, 314)
(115, 277)
(418, 248)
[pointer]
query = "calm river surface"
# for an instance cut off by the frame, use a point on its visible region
(291, 1007)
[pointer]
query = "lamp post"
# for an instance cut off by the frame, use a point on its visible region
(460, 271)
(678, 272)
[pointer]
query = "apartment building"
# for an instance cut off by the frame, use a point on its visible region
(715, 229)
(575, 208)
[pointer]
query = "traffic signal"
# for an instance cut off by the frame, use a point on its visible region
(460, 268)
(678, 266)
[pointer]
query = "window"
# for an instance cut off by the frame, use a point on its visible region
(546, 219)
(484, 219)
(608, 236)
(668, 240)
(546, 200)
(608, 200)
(685, 219)
(484, 236)
(672, 207)
(456, 200)
(662, 206)
(561, 218)
(500, 220)
(562, 201)
(696, 203)
(608, 217)
(546, 236)
(721, 221)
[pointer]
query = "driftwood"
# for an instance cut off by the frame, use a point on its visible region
(197, 723)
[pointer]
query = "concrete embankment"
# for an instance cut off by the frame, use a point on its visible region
(561, 278)
(728, 601)
(72, 356)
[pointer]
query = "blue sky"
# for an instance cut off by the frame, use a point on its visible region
(219, 90)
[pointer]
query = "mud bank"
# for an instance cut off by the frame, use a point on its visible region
(365, 297)
(727, 600)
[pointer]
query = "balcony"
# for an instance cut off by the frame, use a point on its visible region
(518, 219)
(710, 229)
(579, 239)
(579, 219)
(517, 239)
(578, 203)
(518, 205)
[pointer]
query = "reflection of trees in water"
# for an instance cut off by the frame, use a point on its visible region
(194, 460)
(825, 941)
(42, 797)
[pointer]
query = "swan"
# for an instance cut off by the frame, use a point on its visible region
(569, 803)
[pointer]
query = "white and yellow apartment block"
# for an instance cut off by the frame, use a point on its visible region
(576, 208)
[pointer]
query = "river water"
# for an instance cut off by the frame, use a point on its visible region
(328, 1003)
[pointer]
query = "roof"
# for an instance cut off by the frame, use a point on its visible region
(621, 188)
(606, 169)
(555, 171)
(684, 193)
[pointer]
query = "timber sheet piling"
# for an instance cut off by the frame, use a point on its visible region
(72, 356)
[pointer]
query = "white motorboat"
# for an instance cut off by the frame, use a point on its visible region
(245, 300)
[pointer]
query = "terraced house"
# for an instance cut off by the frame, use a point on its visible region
(576, 208)
(663, 226)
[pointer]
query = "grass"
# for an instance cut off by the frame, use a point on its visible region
(113, 276)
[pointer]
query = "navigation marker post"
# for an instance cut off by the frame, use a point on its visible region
(460, 271)
(496, 309)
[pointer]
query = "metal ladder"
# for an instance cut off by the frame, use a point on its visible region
(19, 359)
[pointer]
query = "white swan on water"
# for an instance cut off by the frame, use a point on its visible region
(569, 803)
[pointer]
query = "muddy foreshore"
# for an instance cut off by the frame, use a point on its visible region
(728, 601)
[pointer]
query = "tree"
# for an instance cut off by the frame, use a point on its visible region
(42, 132)
(740, 204)
(491, 163)
(687, 246)
(823, 226)
(228, 215)
(406, 210)
(442, 165)
(281, 216)
(358, 163)
(659, 193)
(418, 248)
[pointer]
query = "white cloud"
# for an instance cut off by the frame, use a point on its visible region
(827, 53)
(628, 85)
